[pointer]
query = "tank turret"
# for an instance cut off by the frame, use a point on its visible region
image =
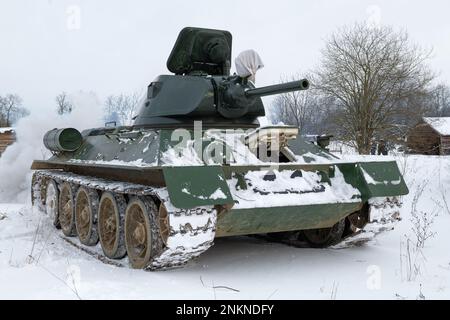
(202, 87)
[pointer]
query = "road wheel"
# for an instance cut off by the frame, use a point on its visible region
(111, 214)
(86, 207)
(323, 238)
(51, 202)
(141, 231)
(67, 210)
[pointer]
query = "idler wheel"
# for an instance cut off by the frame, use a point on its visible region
(323, 238)
(142, 232)
(67, 210)
(51, 202)
(360, 218)
(86, 206)
(111, 214)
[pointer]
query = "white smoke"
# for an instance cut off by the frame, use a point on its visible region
(15, 162)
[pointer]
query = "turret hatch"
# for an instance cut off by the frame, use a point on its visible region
(203, 51)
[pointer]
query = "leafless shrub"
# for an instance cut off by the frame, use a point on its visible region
(443, 191)
(334, 290)
(411, 259)
(65, 282)
(399, 297)
(444, 199)
(421, 296)
(30, 258)
(422, 221)
(214, 287)
(404, 165)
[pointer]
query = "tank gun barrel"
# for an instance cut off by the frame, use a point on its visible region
(278, 89)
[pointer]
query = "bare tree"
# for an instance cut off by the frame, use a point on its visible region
(19, 114)
(439, 100)
(121, 108)
(63, 104)
(293, 108)
(10, 109)
(372, 74)
(2, 114)
(303, 109)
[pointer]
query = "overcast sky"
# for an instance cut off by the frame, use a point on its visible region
(47, 46)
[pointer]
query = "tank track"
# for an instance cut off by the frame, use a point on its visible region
(347, 241)
(352, 237)
(192, 231)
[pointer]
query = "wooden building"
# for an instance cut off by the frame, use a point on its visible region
(431, 136)
(7, 137)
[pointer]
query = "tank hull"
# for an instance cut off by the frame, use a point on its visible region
(282, 219)
(202, 201)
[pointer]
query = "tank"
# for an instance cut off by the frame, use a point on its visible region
(196, 166)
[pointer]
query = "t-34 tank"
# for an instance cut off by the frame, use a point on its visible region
(196, 166)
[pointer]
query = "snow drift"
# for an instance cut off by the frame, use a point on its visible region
(377, 269)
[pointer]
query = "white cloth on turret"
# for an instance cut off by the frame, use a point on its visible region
(248, 63)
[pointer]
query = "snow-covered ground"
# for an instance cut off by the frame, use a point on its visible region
(36, 263)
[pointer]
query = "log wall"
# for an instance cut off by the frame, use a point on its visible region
(6, 139)
(423, 139)
(445, 146)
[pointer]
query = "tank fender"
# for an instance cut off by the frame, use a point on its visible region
(383, 179)
(197, 186)
(374, 179)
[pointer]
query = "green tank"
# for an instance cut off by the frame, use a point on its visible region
(196, 166)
